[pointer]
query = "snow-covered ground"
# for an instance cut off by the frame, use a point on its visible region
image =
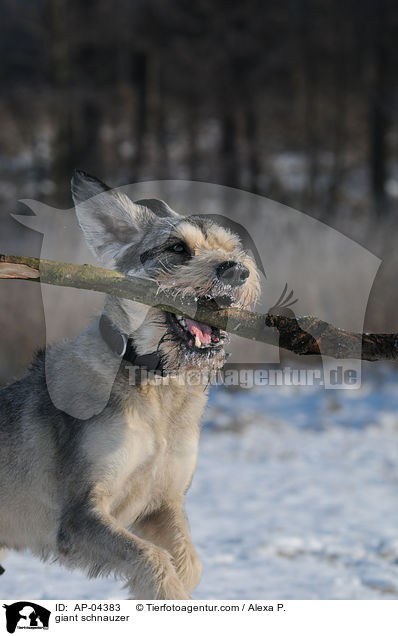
(295, 497)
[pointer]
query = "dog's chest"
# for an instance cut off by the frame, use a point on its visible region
(148, 454)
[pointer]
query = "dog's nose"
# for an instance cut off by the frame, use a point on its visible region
(232, 273)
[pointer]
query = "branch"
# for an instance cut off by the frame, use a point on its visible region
(293, 332)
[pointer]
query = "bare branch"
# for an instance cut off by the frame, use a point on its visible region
(294, 333)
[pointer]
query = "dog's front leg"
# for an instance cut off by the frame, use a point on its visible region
(168, 528)
(91, 539)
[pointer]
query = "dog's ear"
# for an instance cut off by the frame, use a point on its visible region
(109, 219)
(158, 207)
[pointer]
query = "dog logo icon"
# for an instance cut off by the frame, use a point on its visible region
(26, 615)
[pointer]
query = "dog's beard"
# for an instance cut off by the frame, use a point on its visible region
(183, 344)
(193, 344)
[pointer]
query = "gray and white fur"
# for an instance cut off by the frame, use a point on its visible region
(106, 494)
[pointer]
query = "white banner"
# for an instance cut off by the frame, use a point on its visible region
(192, 617)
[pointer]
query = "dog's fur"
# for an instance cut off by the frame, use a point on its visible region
(106, 494)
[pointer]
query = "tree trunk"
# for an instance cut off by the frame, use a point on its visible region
(63, 145)
(380, 104)
(254, 159)
(140, 83)
(229, 149)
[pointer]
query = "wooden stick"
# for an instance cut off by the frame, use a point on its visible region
(294, 333)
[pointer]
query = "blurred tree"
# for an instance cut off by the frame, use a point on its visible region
(166, 88)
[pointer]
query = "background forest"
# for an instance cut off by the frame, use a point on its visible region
(294, 100)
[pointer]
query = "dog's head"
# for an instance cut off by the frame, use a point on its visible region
(192, 255)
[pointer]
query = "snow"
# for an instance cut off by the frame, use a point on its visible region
(294, 497)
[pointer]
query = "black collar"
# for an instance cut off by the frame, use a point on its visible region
(124, 347)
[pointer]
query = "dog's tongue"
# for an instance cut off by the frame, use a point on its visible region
(199, 330)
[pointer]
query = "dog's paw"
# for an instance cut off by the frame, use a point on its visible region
(172, 589)
(189, 568)
(167, 584)
(158, 579)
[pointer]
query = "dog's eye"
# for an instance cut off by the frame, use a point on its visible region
(179, 248)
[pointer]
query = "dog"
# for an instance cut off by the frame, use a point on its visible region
(105, 493)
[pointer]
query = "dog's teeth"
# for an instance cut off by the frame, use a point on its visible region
(197, 342)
